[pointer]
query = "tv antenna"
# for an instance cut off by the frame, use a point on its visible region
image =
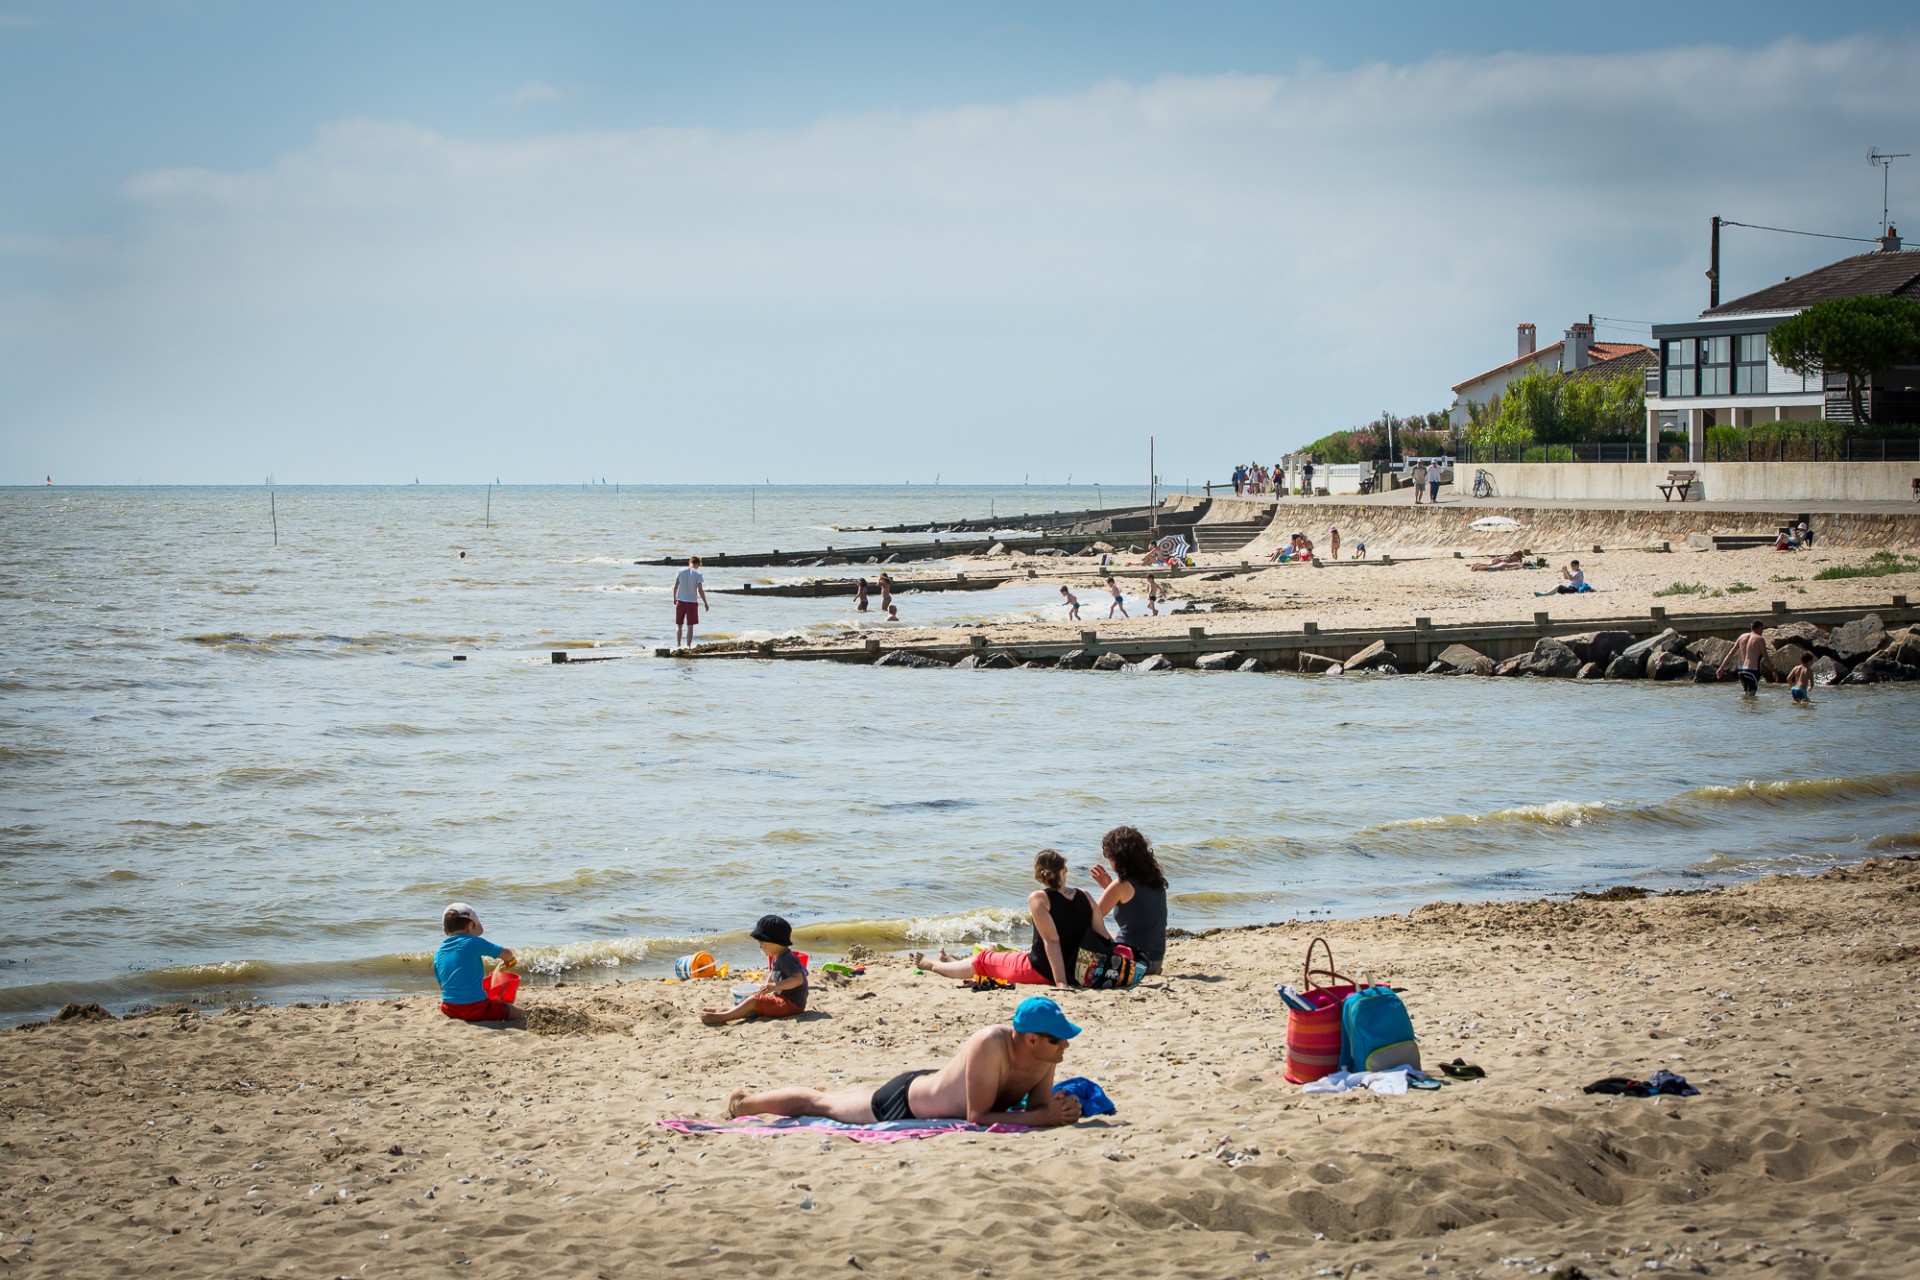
(1883, 161)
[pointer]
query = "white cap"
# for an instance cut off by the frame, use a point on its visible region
(461, 909)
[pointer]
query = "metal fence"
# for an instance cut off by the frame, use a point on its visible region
(1886, 449)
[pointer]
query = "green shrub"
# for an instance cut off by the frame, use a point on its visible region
(1684, 589)
(1879, 565)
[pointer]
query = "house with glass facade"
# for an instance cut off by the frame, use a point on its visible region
(1714, 371)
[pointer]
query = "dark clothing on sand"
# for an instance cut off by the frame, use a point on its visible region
(890, 1099)
(1072, 921)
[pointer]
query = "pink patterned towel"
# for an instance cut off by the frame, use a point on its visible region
(884, 1131)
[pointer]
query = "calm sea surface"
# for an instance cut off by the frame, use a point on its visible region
(233, 770)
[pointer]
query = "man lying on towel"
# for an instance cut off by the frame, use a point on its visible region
(1002, 1075)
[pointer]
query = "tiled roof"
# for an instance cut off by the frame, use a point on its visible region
(1531, 358)
(1895, 274)
(1600, 351)
(1632, 359)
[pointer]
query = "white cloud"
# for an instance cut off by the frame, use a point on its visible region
(1239, 263)
(534, 91)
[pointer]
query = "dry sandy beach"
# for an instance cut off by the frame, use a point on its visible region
(380, 1139)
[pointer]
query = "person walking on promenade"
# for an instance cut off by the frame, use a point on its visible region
(1419, 477)
(1748, 656)
(689, 597)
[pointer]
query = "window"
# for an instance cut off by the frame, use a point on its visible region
(1750, 367)
(1680, 375)
(1716, 366)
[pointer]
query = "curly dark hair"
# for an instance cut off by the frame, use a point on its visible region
(1132, 857)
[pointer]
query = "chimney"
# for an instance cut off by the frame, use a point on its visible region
(1577, 354)
(1890, 242)
(1526, 340)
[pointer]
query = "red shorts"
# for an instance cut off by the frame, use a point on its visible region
(775, 1006)
(488, 1010)
(1008, 966)
(686, 612)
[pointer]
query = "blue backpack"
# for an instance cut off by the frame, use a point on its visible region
(1375, 1032)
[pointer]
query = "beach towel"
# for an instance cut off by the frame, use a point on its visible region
(881, 1131)
(1393, 1082)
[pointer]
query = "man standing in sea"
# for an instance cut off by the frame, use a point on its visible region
(689, 597)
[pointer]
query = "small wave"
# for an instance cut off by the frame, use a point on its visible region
(931, 804)
(1555, 813)
(1896, 840)
(272, 776)
(1807, 790)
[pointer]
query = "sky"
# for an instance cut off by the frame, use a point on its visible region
(872, 242)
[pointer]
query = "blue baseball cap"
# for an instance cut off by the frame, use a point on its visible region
(1039, 1014)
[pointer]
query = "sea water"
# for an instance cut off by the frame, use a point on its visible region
(234, 770)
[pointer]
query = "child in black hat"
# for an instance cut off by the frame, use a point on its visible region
(784, 993)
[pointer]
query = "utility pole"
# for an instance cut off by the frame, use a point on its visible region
(1713, 269)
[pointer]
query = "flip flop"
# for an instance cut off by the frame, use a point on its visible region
(1460, 1069)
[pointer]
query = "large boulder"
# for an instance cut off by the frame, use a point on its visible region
(1076, 660)
(1826, 671)
(1666, 642)
(1879, 670)
(1253, 664)
(1780, 662)
(1551, 658)
(1708, 652)
(1515, 666)
(1109, 662)
(1598, 646)
(901, 658)
(1460, 659)
(1666, 666)
(1152, 662)
(1625, 668)
(1590, 671)
(1374, 655)
(1807, 635)
(1227, 661)
(1904, 647)
(1857, 640)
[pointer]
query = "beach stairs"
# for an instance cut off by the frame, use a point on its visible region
(1746, 541)
(1226, 536)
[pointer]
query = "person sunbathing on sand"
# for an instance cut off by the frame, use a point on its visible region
(992, 1080)
(1512, 560)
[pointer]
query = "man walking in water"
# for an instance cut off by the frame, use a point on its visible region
(1002, 1075)
(689, 597)
(1747, 654)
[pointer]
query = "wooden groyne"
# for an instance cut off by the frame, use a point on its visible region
(1040, 521)
(878, 554)
(814, 587)
(1414, 643)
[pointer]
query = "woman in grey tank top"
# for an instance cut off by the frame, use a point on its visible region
(1135, 893)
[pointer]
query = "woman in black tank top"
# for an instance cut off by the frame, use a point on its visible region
(1062, 918)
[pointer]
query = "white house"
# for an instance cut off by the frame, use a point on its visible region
(1715, 371)
(1576, 351)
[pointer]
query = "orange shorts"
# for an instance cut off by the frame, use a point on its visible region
(768, 1006)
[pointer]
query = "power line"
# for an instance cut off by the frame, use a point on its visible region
(1788, 231)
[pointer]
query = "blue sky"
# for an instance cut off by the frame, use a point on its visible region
(869, 242)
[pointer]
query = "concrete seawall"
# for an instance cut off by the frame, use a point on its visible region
(1788, 482)
(1399, 528)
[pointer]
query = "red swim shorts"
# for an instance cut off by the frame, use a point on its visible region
(488, 1010)
(1008, 966)
(686, 612)
(774, 1006)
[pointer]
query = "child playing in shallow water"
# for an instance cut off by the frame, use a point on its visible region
(784, 993)
(1073, 604)
(1800, 683)
(460, 966)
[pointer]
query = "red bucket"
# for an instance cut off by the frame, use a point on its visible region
(502, 985)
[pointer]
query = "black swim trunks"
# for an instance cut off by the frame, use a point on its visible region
(1749, 679)
(890, 1099)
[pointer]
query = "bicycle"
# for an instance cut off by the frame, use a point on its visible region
(1482, 484)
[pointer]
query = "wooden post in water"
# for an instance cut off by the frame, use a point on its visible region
(489, 506)
(273, 509)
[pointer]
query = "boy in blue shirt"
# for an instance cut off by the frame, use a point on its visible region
(459, 964)
(784, 993)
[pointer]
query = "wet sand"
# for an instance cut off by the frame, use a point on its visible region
(379, 1138)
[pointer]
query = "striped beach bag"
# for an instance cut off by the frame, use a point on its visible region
(1313, 1036)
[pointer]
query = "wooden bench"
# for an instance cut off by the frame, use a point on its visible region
(1678, 482)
